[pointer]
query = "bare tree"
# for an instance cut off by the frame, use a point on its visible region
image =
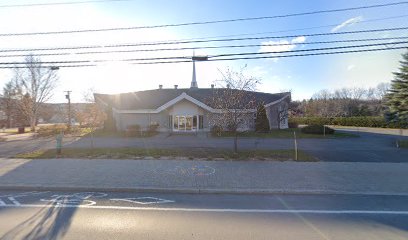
(282, 114)
(234, 102)
(91, 115)
(382, 90)
(34, 84)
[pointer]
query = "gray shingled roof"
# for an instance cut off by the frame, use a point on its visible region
(152, 99)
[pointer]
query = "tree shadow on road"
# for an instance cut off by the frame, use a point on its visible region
(50, 222)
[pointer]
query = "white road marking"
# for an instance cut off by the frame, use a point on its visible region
(86, 195)
(140, 200)
(13, 200)
(24, 194)
(228, 210)
(69, 200)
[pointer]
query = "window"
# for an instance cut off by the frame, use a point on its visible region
(194, 122)
(200, 122)
(175, 125)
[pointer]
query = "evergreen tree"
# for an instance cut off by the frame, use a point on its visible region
(397, 98)
(261, 121)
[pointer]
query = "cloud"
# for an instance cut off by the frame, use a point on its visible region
(282, 45)
(346, 23)
(299, 39)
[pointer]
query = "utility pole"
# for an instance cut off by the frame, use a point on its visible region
(68, 96)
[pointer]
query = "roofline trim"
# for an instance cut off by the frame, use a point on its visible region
(169, 104)
(187, 97)
(277, 101)
(100, 100)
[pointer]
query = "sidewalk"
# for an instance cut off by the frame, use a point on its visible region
(14, 137)
(204, 176)
(388, 131)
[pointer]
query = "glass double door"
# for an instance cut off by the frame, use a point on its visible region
(185, 123)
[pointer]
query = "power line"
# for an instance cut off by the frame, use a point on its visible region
(209, 22)
(58, 3)
(232, 59)
(308, 50)
(210, 57)
(311, 54)
(293, 29)
(204, 41)
(205, 47)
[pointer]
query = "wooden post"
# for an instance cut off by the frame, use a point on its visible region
(296, 150)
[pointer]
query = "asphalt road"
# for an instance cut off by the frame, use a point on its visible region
(103, 215)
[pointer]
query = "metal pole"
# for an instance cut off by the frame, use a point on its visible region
(296, 149)
(68, 96)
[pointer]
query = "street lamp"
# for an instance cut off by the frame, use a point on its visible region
(200, 58)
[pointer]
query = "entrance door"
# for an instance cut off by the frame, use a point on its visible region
(185, 123)
(189, 123)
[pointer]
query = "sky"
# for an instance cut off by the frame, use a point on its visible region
(303, 76)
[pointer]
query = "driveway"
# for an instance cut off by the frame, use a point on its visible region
(369, 147)
(23, 143)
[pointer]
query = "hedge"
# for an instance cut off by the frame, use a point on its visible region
(317, 129)
(378, 122)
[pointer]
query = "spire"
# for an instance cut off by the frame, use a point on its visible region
(194, 80)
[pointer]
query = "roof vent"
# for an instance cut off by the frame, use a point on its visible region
(175, 86)
(212, 86)
(160, 86)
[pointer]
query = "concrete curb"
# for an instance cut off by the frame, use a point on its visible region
(194, 190)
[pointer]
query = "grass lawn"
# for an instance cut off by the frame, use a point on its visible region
(403, 143)
(104, 133)
(131, 153)
(15, 130)
(288, 133)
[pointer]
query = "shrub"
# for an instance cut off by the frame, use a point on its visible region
(132, 130)
(261, 121)
(153, 127)
(51, 130)
(216, 130)
(317, 129)
(378, 122)
(293, 125)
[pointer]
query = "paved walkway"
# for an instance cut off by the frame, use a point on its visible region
(204, 176)
(388, 131)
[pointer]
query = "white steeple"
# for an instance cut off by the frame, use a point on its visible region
(194, 80)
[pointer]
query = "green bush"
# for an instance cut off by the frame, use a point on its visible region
(317, 129)
(293, 124)
(378, 122)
